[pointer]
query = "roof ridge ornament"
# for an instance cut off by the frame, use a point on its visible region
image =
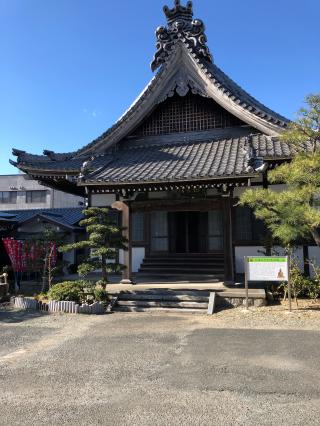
(179, 12)
(181, 27)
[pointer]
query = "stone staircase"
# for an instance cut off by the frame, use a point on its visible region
(163, 300)
(195, 266)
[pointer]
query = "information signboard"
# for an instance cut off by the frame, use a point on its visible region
(267, 268)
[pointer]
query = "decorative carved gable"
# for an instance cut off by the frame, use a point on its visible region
(191, 113)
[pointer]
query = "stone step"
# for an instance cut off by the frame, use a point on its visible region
(186, 255)
(182, 297)
(180, 271)
(205, 265)
(164, 277)
(183, 266)
(184, 259)
(168, 310)
(162, 304)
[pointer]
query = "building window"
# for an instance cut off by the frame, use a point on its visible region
(8, 197)
(243, 225)
(159, 231)
(137, 224)
(36, 196)
(215, 230)
(247, 227)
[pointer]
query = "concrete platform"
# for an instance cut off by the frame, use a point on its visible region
(141, 297)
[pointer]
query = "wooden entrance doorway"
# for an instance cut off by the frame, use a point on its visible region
(185, 232)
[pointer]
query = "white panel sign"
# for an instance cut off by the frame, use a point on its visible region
(267, 268)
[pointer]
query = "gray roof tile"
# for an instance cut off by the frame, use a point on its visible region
(184, 161)
(65, 216)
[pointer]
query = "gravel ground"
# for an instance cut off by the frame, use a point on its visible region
(234, 368)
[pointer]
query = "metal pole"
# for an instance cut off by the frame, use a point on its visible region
(246, 282)
(289, 285)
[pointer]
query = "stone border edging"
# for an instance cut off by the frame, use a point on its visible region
(97, 308)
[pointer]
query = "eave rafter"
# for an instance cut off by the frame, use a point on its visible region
(124, 189)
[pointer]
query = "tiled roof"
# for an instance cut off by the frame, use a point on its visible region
(44, 162)
(220, 80)
(67, 216)
(71, 161)
(238, 94)
(6, 218)
(170, 157)
(187, 161)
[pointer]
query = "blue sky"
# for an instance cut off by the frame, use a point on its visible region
(69, 68)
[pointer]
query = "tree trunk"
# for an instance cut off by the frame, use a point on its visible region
(104, 269)
(44, 273)
(50, 277)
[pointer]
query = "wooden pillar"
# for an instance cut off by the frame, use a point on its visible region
(127, 255)
(228, 249)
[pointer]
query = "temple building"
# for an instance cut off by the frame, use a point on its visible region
(176, 162)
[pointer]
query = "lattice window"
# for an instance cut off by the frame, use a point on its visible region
(187, 114)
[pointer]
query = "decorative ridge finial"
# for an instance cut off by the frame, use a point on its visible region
(181, 27)
(179, 12)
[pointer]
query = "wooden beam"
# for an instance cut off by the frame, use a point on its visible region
(228, 249)
(198, 204)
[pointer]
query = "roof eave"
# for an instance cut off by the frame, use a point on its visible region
(184, 181)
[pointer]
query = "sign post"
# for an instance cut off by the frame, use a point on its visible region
(246, 283)
(268, 268)
(289, 286)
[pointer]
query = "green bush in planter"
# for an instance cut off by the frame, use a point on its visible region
(72, 291)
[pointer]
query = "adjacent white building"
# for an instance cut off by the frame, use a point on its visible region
(20, 192)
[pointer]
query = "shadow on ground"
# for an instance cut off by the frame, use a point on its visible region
(12, 316)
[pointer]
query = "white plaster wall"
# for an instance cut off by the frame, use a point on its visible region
(240, 190)
(63, 200)
(138, 254)
(102, 200)
(298, 255)
(240, 252)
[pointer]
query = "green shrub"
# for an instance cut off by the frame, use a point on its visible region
(100, 295)
(72, 291)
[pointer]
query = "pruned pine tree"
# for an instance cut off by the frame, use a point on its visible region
(294, 213)
(104, 240)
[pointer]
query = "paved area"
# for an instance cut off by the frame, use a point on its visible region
(235, 368)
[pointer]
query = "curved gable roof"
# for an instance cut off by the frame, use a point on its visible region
(185, 64)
